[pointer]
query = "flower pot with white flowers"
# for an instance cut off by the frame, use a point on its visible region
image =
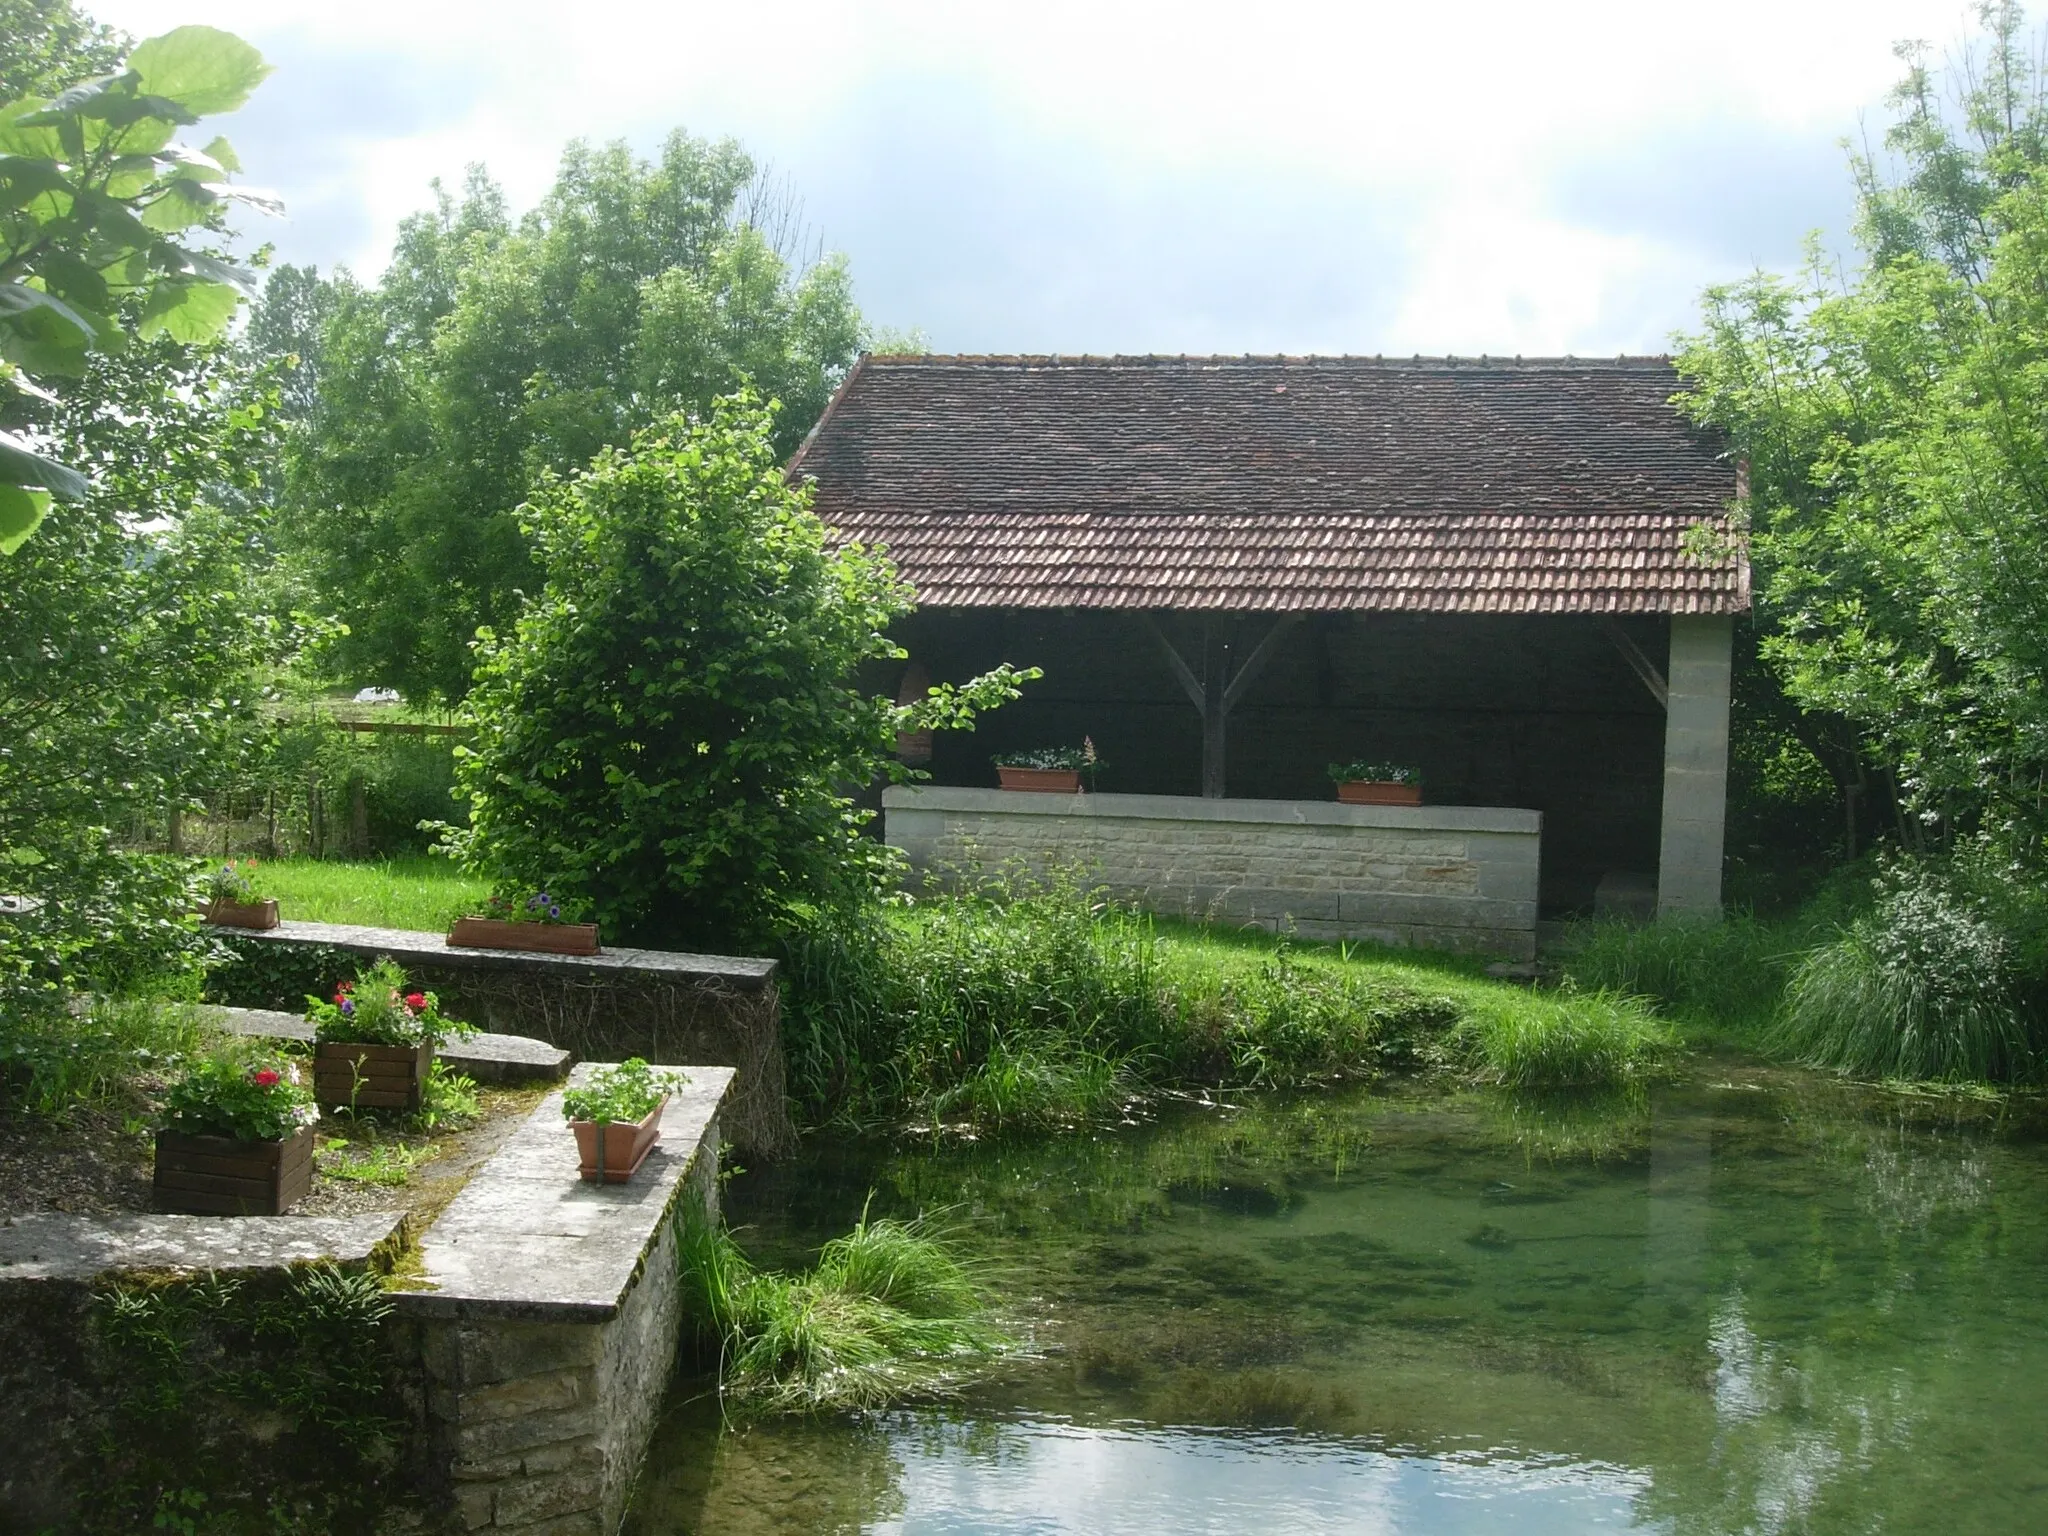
(1373, 783)
(616, 1117)
(232, 900)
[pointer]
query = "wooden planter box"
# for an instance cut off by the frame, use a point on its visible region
(1378, 792)
(219, 1176)
(546, 938)
(241, 914)
(625, 1145)
(351, 1076)
(1041, 781)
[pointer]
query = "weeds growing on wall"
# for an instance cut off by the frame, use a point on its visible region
(888, 1311)
(243, 1406)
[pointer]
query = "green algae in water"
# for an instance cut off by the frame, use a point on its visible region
(1753, 1301)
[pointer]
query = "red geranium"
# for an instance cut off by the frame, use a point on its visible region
(415, 1000)
(266, 1077)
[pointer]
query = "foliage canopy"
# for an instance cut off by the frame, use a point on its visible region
(495, 352)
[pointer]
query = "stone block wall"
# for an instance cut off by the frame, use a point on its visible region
(545, 1360)
(1438, 877)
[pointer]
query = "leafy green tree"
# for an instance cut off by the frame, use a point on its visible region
(667, 735)
(494, 352)
(1899, 458)
(99, 211)
(131, 633)
(46, 45)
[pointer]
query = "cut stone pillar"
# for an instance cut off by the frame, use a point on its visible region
(1695, 767)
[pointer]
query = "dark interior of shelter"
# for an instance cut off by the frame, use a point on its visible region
(1539, 712)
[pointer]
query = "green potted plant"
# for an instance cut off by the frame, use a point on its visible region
(533, 924)
(1364, 782)
(1048, 770)
(231, 899)
(373, 1042)
(236, 1137)
(616, 1116)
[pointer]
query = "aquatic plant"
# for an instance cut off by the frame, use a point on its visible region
(888, 1311)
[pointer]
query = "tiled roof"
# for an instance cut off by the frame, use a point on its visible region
(1437, 485)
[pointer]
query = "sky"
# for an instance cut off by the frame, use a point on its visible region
(1526, 178)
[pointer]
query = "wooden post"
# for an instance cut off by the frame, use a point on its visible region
(359, 818)
(1217, 691)
(177, 831)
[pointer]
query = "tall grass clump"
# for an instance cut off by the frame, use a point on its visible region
(889, 1310)
(1568, 1040)
(1729, 974)
(1924, 985)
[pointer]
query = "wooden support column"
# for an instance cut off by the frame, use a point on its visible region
(1218, 688)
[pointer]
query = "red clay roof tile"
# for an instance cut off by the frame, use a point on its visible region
(1438, 485)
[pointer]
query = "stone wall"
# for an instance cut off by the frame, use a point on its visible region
(548, 1318)
(664, 1005)
(1438, 877)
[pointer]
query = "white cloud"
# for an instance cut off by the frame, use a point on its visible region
(1442, 133)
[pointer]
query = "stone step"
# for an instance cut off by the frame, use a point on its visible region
(485, 1057)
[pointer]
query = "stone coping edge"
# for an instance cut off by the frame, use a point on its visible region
(1314, 813)
(741, 973)
(527, 1232)
(52, 1246)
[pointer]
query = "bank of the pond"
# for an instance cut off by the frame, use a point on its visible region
(1047, 1006)
(1033, 1008)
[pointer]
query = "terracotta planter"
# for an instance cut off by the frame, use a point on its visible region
(241, 914)
(625, 1145)
(1041, 781)
(347, 1075)
(219, 1176)
(1379, 792)
(544, 938)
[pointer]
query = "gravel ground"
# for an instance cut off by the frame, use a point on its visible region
(97, 1161)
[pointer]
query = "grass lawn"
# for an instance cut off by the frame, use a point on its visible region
(419, 892)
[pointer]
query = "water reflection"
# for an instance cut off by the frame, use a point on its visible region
(1752, 1302)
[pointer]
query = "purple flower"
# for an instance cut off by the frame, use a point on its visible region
(348, 1005)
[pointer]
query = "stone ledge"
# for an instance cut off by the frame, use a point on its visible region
(48, 1246)
(402, 944)
(528, 1239)
(1314, 813)
(486, 1057)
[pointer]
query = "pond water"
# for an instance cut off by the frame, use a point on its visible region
(1754, 1301)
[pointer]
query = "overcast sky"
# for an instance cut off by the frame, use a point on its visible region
(1539, 176)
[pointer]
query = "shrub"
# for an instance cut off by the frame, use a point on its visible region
(1922, 986)
(665, 738)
